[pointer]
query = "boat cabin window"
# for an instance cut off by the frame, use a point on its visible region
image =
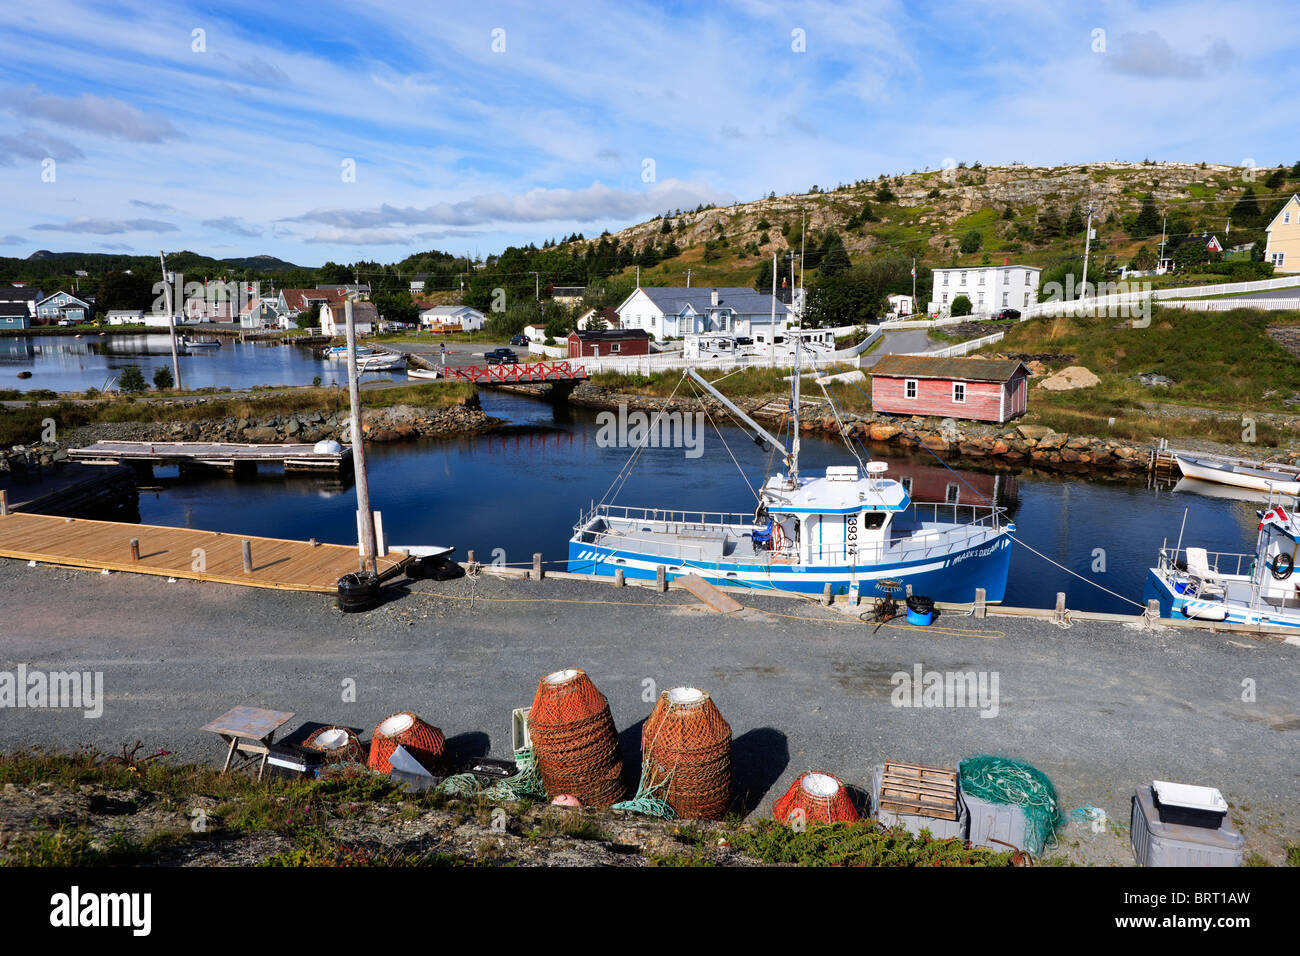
(873, 520)
(952, 493)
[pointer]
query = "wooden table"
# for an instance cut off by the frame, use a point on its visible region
(250, 731)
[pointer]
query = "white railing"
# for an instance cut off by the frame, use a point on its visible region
(1227, 305)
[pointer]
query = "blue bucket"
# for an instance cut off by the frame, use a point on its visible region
(918, 618)
(1180, 587)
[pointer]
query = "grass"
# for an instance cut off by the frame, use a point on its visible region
(24, 425)
(857, 844)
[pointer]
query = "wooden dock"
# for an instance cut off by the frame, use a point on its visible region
(222, 456)
(183, 553)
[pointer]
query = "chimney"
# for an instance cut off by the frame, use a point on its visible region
(1006, 260)
(713, 298)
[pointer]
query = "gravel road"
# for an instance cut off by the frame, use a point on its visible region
(1098, 707)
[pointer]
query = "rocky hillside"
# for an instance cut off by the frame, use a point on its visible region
(927, 213)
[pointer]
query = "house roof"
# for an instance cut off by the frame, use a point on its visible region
(63, 292)
(9, 309)
(1010, 265)
(673, 299)
(611, 335)
(361, 311)
(970, 369)
(568, 290)
(300, 300)
(448, 310)
(1295, 198)
(15, 293)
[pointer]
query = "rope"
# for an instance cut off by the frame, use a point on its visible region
(625, 472)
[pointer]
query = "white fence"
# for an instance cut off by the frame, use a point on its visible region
(1227, 305)
(963, 348)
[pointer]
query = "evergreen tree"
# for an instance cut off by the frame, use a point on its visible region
(1074, 221)
(1147, 223)
(1247, 211)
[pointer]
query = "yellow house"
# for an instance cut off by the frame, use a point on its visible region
(1283, 249)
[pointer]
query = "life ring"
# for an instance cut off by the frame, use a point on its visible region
(1283, 565)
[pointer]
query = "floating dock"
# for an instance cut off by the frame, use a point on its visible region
(229, 457)
(184, 553)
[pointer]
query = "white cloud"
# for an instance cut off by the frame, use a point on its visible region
(1150, 55)
(88, 113)
(234, 226)
(87, 225)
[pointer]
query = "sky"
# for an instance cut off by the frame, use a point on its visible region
(372, 130)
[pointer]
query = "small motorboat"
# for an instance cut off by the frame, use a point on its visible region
(190, 344)
(1240, 476)
(429, 373)
(341, 351)
(381, 362)
(1258, 588)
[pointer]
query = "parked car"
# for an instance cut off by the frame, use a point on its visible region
(519, 340)
(1007, 314)
(501, 357)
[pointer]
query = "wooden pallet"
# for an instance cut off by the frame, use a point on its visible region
(919, 790)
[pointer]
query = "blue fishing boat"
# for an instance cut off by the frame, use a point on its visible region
(852, 527)
(1260, 588)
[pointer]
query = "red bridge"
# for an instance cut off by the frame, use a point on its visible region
(536, 373)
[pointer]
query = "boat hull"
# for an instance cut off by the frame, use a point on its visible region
(951, 577)
(1210, 610)
(1238, 478)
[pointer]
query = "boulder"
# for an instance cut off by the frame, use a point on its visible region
(1052, 441)
(883, 432)
(1072, 377)
(1154, 380)
(261, 433)
(1033, 431)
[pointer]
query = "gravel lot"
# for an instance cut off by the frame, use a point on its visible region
(1098, 707)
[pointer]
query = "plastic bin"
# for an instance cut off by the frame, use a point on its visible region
(1174, 844)
(939, 829)
(991, 821)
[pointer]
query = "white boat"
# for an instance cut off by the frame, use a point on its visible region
(861, 534)
(381, 362)
(1260, 588)
(431, 373)
(341, 351)
(1240, 476)
(190, 344)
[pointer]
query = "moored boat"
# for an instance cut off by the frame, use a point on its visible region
(1258, 589)
(1239, 476)
(860, 533)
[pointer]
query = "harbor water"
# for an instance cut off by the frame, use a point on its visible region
(509, 494)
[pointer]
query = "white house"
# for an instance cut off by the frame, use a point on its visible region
(535, 333)
(674, 312)
(989, 288)
(900, 305)
(125, 317)
(365, 317)
(452, 318)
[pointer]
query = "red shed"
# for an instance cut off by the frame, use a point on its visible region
(609, 342)
(986, 390)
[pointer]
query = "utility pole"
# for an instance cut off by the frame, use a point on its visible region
(368, 544)
(688, 278)
(171, 319)
(1164, 226)
(537, 284)
(913, 284)
(771, 334)
(1087, 247)
(803, 235)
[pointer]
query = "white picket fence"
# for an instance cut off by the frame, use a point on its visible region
(1227, 305)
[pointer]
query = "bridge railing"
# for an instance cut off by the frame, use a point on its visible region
(519, 374)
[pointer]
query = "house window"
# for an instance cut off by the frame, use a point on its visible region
(952, 493)
(1029, 278)
(945, 278)
(1277, 258)
(959, 392)
(1005, 296)
(909, 388)
(1286, 218)
(906, 482)
(614, 346)
(981, 278)
(981, 299)
(945, 298)
(1026, 300)
(963, 278)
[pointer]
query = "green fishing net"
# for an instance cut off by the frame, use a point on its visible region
(1003, 780)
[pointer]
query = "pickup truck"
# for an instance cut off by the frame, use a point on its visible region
(501, 357)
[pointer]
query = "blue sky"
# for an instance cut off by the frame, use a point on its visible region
(474, 126)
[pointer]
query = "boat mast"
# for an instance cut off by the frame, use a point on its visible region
(797, 344)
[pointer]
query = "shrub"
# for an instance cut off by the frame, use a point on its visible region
(972, 241)
(162, 378)
(961, 306)
(132, 380)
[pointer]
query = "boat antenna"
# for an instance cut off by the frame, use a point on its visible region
(1180, 534)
